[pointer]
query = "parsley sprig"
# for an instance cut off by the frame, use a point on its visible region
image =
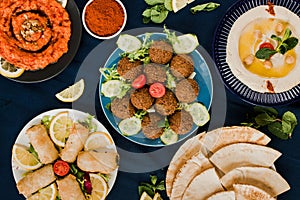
(284, 44)
(281, 127)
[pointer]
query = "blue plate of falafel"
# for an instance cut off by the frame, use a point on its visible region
(149, 96)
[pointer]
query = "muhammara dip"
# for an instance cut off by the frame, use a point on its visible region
(279, 73)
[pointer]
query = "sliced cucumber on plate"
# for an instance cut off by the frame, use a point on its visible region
(130, 126)
(169, 136)
(199, 113)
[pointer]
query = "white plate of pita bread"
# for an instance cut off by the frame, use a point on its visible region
(23, 139)
(228, 163)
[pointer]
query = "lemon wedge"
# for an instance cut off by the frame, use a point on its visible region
(179, 4)
(100, 187)
(9, 70)
(157, 196)
(60, 127)
(72, 93)
(47, 193)
(24, 158)
(97, 140)
(145, 196)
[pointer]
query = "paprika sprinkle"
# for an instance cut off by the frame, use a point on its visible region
(104, 17)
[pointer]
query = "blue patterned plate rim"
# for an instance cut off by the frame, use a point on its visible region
(219, 55)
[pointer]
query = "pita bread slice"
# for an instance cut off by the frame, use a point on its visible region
(250, 192)
(225, 195)
(203, 186)
(244, 154)
(218, 138)
(187, 173)
(188, 149)
(261, 177)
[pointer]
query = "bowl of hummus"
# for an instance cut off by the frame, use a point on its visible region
(257, 52)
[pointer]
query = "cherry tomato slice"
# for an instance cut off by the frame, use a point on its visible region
(267, 45)
(139, 82)
(61, 168)
(157, 90)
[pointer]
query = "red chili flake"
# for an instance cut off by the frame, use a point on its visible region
(270, 87)
(271, 8)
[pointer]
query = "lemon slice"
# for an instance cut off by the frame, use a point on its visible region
(130, 126)
(145, 196)
(98, 140)
(62, 2)
(9, 70)
(129, 43)
(179, 4)
(99, 186)
(169, 137)
(157, 196)
(199, 113)
(24, 158)
(60, 127)
(185, 44)
(72, 93)
(111, 88)
(47, 193)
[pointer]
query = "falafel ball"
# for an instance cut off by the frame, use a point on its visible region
(181, 122)
(187, 90)
(166, 105)
(141, 99)
(155, 73)
(122, 107)
(160, 52)
(150, 125)
(182, 66)
(129, 69)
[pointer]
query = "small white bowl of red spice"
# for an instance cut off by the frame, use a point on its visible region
(104, 19)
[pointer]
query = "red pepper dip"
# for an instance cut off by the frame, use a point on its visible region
(104, 17)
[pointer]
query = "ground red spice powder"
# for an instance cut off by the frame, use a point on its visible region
(104, 17)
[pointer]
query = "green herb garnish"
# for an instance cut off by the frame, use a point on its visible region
(204, 7)
(33, 152)
(152, 187)
(281, 127)
(283, 45)
(46, 121)
(157, 11)
(143, 53)
(88, 123)
(110, 73)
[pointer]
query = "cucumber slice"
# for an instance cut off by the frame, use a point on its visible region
(185, 44)
(129, 43)
(199, 113)
(169, 137)
(130, 126)
(111, 88)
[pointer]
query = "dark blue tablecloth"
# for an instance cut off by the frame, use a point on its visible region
(20, 102)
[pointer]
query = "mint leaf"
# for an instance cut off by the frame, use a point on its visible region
(269, 110)
(289, 120)
(278, 39)
(287, 34)
(154, 2)
(205, 7)
(264, 119)
(153, 179)
(161, 186)
(276, 129)
(291, 43)
(265, 53)
(146, 189)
